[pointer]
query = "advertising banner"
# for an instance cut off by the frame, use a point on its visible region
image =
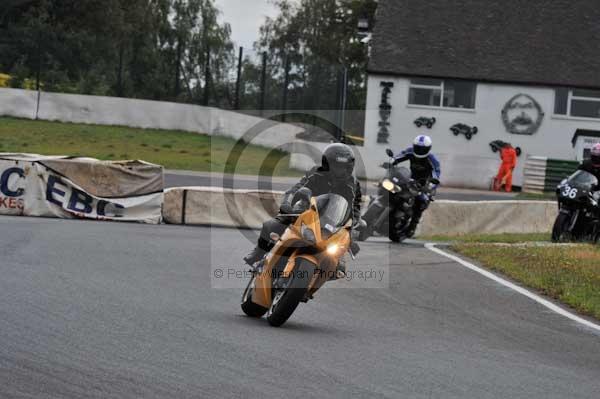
(84, 188)
(12, 187)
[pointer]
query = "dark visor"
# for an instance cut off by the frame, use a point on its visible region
(420, 150)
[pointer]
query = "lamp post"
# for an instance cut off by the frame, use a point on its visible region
(364, 31)
(363, 26)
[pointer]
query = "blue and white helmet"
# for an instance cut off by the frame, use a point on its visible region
(422, 146)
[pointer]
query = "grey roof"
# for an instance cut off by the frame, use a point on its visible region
(549, 42)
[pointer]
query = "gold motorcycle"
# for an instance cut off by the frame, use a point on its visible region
(303, 259)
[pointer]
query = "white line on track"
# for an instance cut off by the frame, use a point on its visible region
(520, 290)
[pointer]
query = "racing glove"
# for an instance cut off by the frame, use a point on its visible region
(286, 204)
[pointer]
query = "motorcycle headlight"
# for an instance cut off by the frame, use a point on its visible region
(332, 249)
(327, 231)
(388, 185)
(308, 234)
(561, 184)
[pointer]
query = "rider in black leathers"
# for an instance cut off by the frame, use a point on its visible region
(335, 175)
(592, 165)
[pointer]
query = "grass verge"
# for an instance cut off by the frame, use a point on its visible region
(490, 238)
(570, 274)
(170, 148)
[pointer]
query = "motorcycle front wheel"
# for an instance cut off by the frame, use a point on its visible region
(560, 228)
(286, 299)
(250, 308)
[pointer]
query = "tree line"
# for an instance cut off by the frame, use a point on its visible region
(181, 50)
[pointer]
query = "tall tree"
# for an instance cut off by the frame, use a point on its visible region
(319, 38)
(133, 48)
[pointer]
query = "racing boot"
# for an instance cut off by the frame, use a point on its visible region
(340, 271)
(254, 256)
(258, 253)
(412, 226)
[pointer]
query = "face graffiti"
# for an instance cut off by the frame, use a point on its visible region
(522, 114)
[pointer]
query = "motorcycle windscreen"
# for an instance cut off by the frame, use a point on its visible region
(334, 212)
(402, 174)
(582, 178)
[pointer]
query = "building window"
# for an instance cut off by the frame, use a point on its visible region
(576, 102)
(442, 93)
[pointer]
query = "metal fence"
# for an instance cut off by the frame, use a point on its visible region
(288, 83)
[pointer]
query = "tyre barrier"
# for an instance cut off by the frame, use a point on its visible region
(209, 206)
(542, 174)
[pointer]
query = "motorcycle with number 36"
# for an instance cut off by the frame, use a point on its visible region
(304, 258)
(579, 216)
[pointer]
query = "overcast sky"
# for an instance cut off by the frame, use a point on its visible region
(245, 18)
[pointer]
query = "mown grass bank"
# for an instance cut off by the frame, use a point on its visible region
(489, 238)
(568, 273)
(171, 148)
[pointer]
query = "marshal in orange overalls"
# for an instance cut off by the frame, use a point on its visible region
(509, 162)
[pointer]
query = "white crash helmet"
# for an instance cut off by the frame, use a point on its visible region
(422, 146)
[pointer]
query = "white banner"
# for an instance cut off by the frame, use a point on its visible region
(30, 188)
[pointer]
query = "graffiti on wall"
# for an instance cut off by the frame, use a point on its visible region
(462, 128)
(385, 112)
(522, 114)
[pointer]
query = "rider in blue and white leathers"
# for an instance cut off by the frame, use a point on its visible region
(423, 166)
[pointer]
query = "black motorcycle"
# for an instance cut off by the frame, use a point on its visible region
(579, 216)
(389, 212)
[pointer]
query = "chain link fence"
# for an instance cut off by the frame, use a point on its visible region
(291, 83)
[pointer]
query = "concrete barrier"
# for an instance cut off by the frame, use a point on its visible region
(488, 217)
(18, 103)
(249, 209)
(210, 206)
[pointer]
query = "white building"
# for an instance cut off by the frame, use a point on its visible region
(527, 73)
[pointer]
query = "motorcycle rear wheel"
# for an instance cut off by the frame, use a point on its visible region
(286, 301)
(395, 234)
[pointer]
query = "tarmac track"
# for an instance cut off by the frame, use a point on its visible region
(109, 310)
